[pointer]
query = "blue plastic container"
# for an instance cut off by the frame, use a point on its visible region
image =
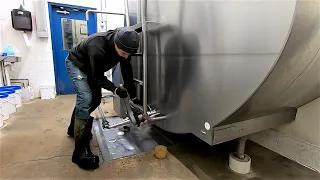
(8, 51)
(4, 95)
(11, 87)
(18, 92)
(8, 91)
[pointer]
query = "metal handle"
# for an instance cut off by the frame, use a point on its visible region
(63, 12)
(145, 65)
(138, 81)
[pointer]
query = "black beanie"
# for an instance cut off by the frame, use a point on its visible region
(127, 40)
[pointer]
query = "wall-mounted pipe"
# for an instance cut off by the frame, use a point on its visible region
(101, 9)
(6, 71)
(126, 8)
(103, 12)
(126, 14)
(145, 65)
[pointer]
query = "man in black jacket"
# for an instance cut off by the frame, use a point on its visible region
(86, 65)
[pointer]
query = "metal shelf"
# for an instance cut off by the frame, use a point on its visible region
(11, 59)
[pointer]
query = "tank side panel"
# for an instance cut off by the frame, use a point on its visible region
(212, 58)
(295, 80)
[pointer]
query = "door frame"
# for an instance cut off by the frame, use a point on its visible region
(50, 12)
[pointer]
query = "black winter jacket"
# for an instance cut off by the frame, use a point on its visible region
(96, 55)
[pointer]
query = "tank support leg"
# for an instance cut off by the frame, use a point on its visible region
(239, 162)
(241, 147)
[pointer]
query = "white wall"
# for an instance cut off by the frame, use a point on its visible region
(299, 140)
(37, 61)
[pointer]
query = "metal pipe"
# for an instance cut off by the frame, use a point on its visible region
(144, 59)
(104, 120)
(158, 55)
(139, 50)
(126, 5)
(101, 113)
(154, 119)
(7, 77)
(108, 96)
(2, 74)
(101, 18)
(145, 65)
(103, 12)
(120, 124)
(139, 12)
(241, 147)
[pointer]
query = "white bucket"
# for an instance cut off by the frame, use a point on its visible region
(47, 92)
(27, 94)
(11, 100)
(4, 102)
(12, 103)
(18, 98)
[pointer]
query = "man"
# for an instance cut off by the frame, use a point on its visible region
(86, 65)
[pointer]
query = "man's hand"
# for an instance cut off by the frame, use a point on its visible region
(145, 123)
(121, 92)
(137, 101)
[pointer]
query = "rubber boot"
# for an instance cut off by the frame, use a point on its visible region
(82, 154)
(70, 131)
(71, 126)
(88, 131)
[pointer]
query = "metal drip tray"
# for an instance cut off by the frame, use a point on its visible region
(114, 146)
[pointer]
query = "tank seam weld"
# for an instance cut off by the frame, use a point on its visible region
(303, 71)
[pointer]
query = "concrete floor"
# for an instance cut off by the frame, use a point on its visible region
(34, 145)
(211, 162)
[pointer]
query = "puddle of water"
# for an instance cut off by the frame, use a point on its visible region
(112, 140)
(120, 133)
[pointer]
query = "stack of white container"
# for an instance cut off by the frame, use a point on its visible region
(10, 100)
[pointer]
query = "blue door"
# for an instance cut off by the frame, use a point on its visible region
(68, 28)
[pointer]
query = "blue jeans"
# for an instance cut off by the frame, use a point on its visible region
(88, 93)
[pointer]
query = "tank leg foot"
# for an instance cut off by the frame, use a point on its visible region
(239, 162)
